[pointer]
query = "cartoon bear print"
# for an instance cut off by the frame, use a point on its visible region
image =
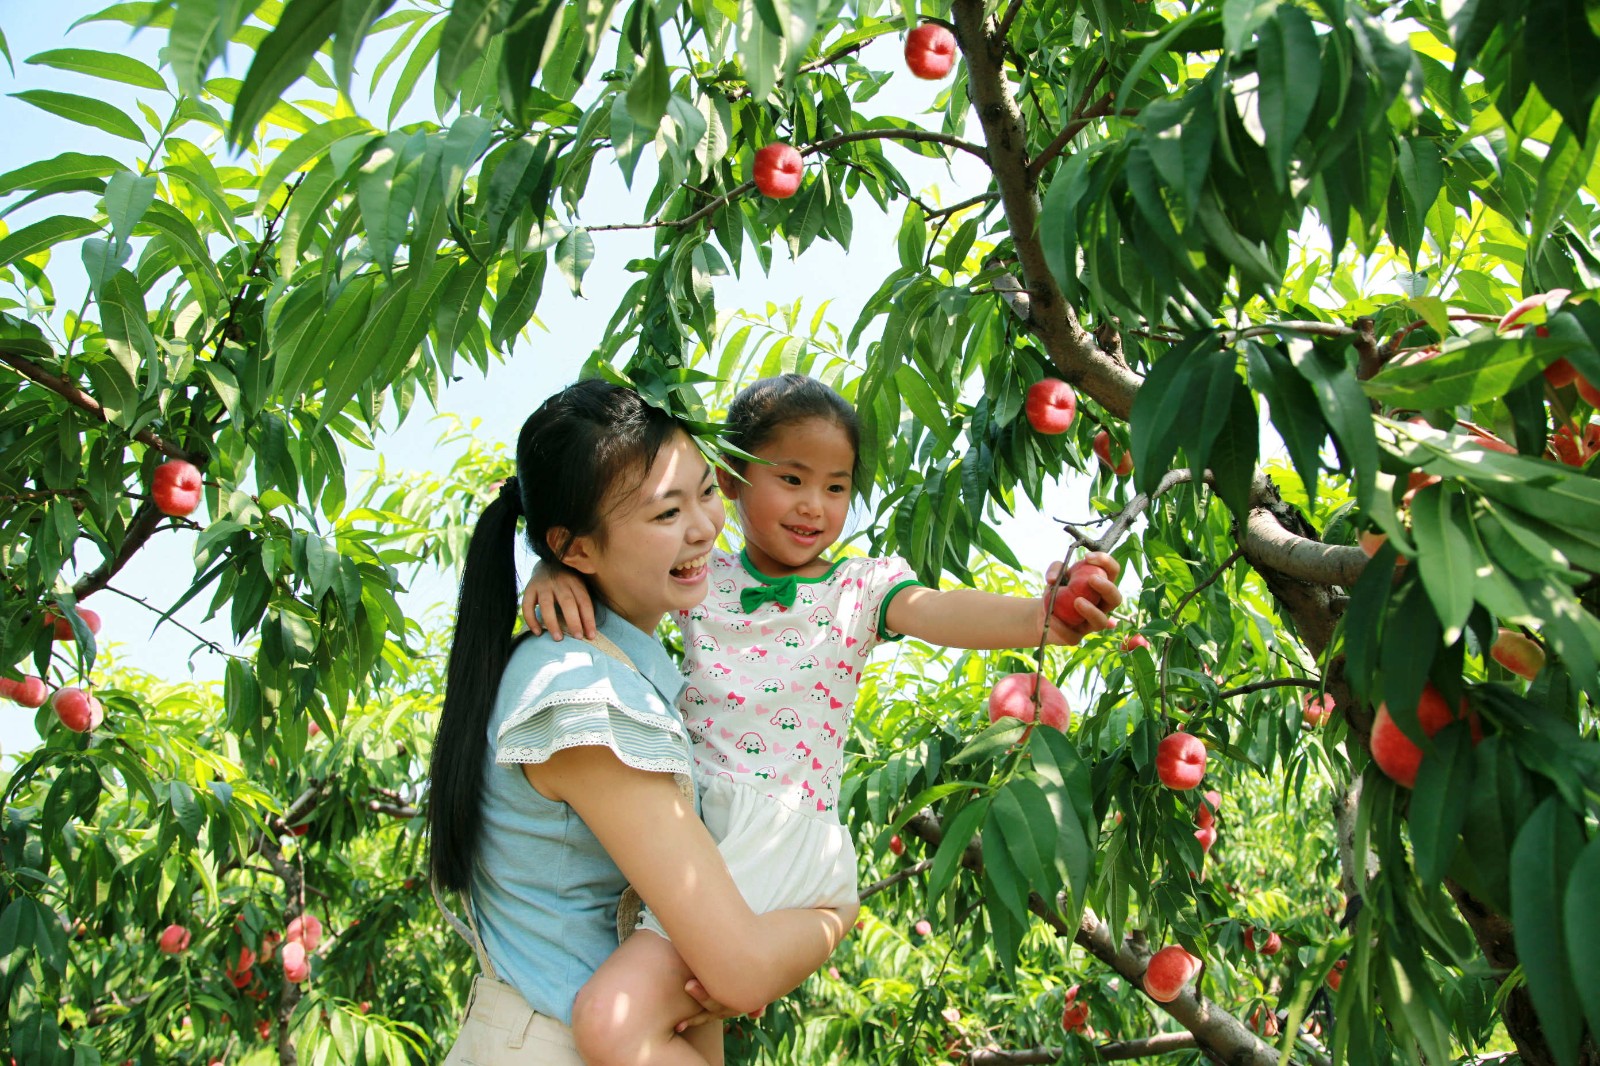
(843, 671)
(767, 773)
(698, 613)
(694, 697)
(716, 671)
(724, 588)
(804, 597)
(835, 635)
(735, 700)
(790, 638)
(802, 751)
(738, 625)
(786, 718)
(752, 744)
(820, 617)
(706, 642)
(810, 662)
(770, 686)
(753, 655)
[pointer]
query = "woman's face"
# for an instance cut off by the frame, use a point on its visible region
(651, 554)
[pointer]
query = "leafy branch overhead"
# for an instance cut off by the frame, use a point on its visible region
(1318, 280)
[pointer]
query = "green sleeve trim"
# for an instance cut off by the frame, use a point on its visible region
(883, 608)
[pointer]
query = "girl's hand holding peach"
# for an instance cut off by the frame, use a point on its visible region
(1085, 599)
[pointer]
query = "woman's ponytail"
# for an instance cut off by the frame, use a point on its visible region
(486, 612)
(582, 445)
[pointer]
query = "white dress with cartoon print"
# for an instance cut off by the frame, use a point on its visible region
(772, 669)
(772, 687)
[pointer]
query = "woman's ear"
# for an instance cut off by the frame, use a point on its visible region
(579, 551)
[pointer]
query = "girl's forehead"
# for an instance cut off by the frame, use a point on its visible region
(805, 439)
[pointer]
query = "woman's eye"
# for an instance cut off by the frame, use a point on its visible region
(665, 515)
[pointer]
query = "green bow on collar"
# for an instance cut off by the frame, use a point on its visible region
(780, 591)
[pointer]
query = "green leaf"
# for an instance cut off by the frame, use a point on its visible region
(200, 32)
(108, 65)
(41, 235)
(66, 167)
(1290, 65)
(1330, 372)
(651, 87)
(958, 833)
(517, 300)
(1567, 59)
(574, 253)
(467, 32)
(1541, 865)
(1561, 175)
(1292, 406)
(1475, 373)
(1439, 802)
(309, 146)
(760, 50)
(1236, 449)
(126, 322)
(991, 742)
(1447, 558)
(84, 111)
(518, 173)
(1007, 883)
(1582, 914)
(280, 61)
(128, 197)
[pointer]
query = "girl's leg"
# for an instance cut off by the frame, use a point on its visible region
(626, 1014)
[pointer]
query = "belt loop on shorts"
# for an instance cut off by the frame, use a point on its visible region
(472, 994)
(516, 1036)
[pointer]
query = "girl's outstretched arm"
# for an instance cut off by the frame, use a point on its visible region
(967, 618)
(554, 596)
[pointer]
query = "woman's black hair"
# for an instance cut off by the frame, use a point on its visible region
(763, 408)
(570, 454)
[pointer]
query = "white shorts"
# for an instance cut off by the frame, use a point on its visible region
(779, 857)
(502, 1030)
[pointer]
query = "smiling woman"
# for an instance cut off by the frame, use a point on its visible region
(560, 773)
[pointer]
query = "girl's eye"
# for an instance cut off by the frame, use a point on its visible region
(838, 488)
(711, 490)
(789, 479)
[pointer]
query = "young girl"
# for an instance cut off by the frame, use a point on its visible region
(553, 783)
(773, 658)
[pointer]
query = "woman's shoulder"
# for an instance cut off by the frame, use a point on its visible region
(543, 671)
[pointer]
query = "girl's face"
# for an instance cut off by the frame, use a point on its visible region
(652, 552)
(794, 509)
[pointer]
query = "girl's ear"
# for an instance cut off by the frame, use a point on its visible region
(729, 483)
(580, 553)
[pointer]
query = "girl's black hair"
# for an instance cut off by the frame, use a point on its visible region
(570, 454)
(763, 408)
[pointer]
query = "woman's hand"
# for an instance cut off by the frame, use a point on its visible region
(554, 595)
(710, 1009)
(1103, 581)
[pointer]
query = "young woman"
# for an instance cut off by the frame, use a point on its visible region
(773, 658)
(560, 773)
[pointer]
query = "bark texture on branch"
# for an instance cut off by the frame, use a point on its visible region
(1116, 1051)
(1074, 352)
(1219, 1034)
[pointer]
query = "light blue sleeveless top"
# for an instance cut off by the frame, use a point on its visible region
(543, 889)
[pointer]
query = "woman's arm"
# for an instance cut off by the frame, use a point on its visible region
(745, 960)
(967, 618)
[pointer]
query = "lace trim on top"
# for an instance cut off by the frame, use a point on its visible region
(532, 736)
(594, 695)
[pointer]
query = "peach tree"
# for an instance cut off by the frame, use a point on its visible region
(1362, 232)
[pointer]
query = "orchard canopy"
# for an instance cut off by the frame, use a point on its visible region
(1274, 247)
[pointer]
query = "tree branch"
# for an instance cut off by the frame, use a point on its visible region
(1216, 1032)
(140, 528)
(1276, 682)
(1071, 348)
(1080, 119)
(895, 878)
(1117, 1051)
(70, 392)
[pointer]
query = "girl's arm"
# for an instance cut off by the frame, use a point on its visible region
(745, 960)
(552, 596)
(967, 618)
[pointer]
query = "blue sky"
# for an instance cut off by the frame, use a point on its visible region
(541, 363)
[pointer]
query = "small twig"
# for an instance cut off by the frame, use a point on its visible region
(1401, 334)
(1009, 17)
(140, 528)
(147, 605)
(1277, 682)
(983, 197)
(1102, 108)
(895, 878)
(1135, 507)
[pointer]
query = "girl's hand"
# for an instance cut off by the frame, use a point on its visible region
(1104, 582)
(557, 595)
